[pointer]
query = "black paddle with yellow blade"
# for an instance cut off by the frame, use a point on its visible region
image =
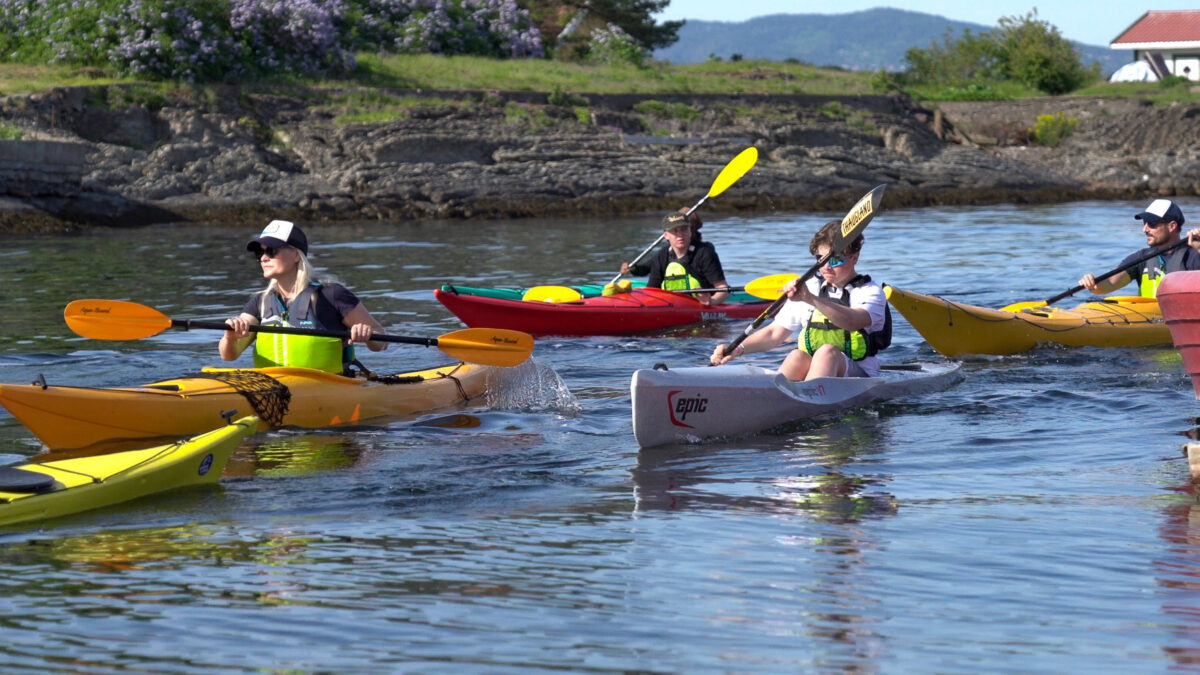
(733, 171)
(852, 228)
(1032, 304)
(121, 320)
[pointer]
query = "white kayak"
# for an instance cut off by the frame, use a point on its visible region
(688, 405)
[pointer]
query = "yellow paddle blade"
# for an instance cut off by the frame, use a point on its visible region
(1022, 306)
(769, 287)
(735, 169)
(114, 319)
(552, 294)
(488, 346)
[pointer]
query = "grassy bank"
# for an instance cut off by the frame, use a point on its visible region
(716, 77)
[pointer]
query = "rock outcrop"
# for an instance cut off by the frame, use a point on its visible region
(112, 156)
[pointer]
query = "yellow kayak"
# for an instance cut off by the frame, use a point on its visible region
(954, 328)
(65, 417)
(38, 490)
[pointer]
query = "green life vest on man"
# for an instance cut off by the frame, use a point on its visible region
(857, 344)
(677, 277)
(1152, 276)
(302, 351)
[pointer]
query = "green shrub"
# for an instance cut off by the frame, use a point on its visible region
(10, 132)
(559, 97)
(1171, 81)
(667, 111)
(1050, 130)
(835, 109)
(613, 46)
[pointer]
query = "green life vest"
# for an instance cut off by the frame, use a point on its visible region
(677, 277)
(1152, 276)
(858, 344)
(303, 351)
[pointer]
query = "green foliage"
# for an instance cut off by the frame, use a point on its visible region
(1050, 130)
(667, 111)
(1171, 81)
(583, 114)
(525, 115)
(956, 61)
(836, 110)
(1023, 49)
(614, 46)
(565, 99)
(1035, 53)
(10, 132)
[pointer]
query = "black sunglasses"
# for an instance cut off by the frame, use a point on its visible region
(270, 251)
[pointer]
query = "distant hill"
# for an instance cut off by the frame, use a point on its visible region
(867, 40)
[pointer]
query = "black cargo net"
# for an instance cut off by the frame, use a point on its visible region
(267, 396)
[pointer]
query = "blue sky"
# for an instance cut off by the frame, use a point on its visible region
(1102, 20)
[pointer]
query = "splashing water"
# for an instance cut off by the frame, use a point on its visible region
(530, 387)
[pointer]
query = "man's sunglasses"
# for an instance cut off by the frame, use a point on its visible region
(834, 261)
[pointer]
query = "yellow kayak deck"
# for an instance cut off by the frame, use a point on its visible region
(65, 417)
(39, 490)
(954, 328)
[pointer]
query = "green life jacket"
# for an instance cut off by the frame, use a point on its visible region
(858, 344)
(303, 351)
(677, 277)
(1152, 276)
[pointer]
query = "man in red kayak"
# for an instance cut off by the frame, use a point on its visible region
(685, 264)
(1162, 223)
(842, 318)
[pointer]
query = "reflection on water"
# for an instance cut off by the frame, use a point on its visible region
(965, 530)
(800, 472)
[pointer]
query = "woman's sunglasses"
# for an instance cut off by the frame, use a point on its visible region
(270, 251)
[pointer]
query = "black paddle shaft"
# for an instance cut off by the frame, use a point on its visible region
(288, 330)
(1123, 268)
(852, 227)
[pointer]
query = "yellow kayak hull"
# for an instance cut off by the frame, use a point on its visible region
(91, 482)
(65, 417)
(954, 328)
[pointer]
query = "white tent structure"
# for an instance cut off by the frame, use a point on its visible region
(1138, 71)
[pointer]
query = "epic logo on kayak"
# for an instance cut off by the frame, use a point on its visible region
(679, 408)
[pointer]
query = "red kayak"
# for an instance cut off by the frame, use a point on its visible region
(640, 310)
(1179, 299)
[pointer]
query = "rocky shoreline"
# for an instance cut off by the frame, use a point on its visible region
(101, 156)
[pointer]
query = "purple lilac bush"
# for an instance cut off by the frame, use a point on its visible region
(206, 40)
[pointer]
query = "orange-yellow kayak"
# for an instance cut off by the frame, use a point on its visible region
(39, 490)
(65, 417)
(954, 328)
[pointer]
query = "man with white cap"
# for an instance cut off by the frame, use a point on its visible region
(1162, 223)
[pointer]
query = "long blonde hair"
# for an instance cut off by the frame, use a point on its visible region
(305, 274)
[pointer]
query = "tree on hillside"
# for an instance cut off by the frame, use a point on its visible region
(1034, 52)
(635, 17)
(1022, 48)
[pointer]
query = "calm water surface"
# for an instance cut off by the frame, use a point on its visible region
(1030, 519)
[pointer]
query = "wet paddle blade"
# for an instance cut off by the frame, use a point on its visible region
(114, 319)
(857, 218)
(488, 346)
(769, 287)
(552, 294)
(734, 170)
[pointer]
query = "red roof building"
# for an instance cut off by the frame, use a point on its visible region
(1169, 40)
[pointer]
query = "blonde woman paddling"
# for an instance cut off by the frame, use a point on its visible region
(295, 298)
